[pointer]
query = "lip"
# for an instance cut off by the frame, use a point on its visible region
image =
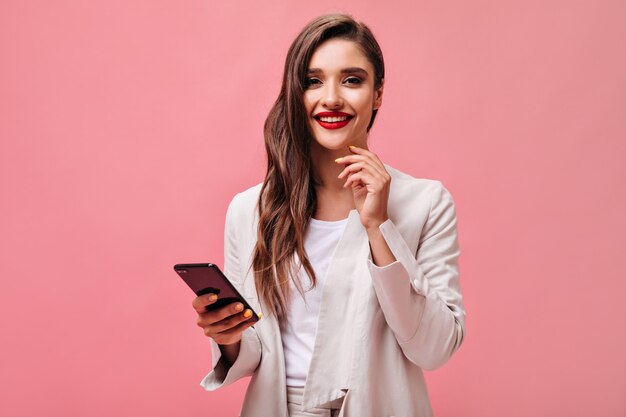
(332, 114)
(333, 125)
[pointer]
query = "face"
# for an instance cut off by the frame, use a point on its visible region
(340, 95)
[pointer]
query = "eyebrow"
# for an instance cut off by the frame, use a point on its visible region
(350, 70)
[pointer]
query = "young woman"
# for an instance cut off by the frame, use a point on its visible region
(353, 263)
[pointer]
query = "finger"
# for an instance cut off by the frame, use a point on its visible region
(229, 336)
(370, 157)
(350, 159)
(199, 303)
(355, 180)
(358, 166)
(362, 164)
(228, 323)
(363, 151)
(210, 317)
(366, 180)
(369, 154)
(360, 151)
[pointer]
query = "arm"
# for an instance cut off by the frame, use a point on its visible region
(232, 362)
(420, 295)
(245, 364)
(230, 353)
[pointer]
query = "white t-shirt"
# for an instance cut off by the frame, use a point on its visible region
(298, 336)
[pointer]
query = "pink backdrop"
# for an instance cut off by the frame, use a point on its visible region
(127, 126)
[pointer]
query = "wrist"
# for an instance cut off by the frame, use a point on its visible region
(230, 352)
(374, 227)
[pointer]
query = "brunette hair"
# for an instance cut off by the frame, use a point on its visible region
(287, 200)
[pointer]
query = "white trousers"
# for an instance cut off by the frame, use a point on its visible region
(294, 405)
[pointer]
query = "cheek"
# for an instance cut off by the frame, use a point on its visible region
(309, 102)
(362, 102)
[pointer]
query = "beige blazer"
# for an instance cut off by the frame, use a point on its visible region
(378, 327)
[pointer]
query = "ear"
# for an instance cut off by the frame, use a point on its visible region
(378, 95)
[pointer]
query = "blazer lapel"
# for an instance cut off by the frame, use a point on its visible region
(335, 346)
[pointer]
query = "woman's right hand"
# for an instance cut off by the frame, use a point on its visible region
(224, 325)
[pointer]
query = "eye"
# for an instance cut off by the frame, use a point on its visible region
(353, 80)
(310, 82)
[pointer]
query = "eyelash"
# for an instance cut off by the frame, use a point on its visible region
(310, 81)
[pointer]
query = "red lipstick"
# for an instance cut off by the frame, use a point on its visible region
(339, 119)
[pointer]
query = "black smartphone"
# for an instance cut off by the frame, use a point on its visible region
(208, 278)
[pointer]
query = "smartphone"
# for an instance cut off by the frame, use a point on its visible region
(208, 278)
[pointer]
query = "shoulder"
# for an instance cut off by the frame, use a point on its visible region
(407, 190)
(242, 214)
(418, 207)
(244, 204)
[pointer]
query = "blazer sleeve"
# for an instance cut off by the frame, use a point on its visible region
(420, 294)
(250, 351)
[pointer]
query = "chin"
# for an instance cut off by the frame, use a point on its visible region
(332, 145)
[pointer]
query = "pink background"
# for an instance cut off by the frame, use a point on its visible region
(127, 126)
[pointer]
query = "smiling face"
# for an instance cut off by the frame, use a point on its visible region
(340, 95)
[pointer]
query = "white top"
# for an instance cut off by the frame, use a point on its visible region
(298, 336)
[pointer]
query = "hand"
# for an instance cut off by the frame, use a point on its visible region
(370, 184)
(224, 325)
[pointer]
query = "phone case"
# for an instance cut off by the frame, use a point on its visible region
(208, 278)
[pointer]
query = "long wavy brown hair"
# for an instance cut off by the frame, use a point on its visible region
(288, 200)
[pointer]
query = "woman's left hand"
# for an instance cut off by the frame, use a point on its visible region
(370, 184)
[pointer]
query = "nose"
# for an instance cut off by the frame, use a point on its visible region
(331, 98)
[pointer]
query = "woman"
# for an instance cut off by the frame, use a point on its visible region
(353, 263)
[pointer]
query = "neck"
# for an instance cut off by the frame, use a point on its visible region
(327, 170)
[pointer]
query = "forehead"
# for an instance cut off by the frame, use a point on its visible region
(335, 54)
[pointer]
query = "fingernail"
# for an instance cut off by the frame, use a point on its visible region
(351, 146)
(239, 307)
(247, 313)
(260, 315)
(339, 159)
(212, 297)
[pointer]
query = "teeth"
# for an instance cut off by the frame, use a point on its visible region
(333, 119)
